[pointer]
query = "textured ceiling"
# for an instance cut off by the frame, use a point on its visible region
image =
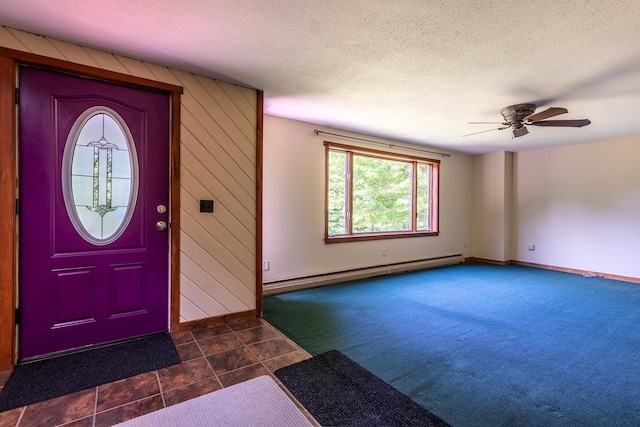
(411, 70)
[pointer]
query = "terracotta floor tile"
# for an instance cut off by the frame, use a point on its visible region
(131, 410)
(191, 391)
(288, 359)
(261, 333)
(4, 376)
(231, 360)
(127, 390)
(219, 344)
(244, 374)
(245, 324)
(61, 409)
(181, 337)
(234, 351)
(189, 351)
(210, 332)
(10, 417)
(84, 422)
(184, 374)
(273, 348)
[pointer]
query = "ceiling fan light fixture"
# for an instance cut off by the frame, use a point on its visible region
(519, 131)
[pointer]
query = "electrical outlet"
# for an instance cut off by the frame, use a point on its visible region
(384, 251)
(265, 265)
(532, 246)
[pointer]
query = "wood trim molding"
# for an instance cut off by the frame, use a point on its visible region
(378, 236)
(435, 197)
(9, 59)
(351, 152)
(208, 322)
(585, 273)
(381, 154)
(8, 243)
(488, 261)
(259, 161)
(88, 71)
(174, 172)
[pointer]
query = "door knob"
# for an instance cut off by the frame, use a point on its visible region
(161, 225)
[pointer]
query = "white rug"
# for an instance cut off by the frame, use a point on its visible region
(258, 402)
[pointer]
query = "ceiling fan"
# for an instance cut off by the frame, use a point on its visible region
(519, 116)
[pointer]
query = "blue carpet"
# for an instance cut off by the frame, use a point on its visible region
(484, 345)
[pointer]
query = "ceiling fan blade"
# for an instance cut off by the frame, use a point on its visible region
(549, 112)
(483, 131)
(489, 123)
(562, 123)
(521, 131)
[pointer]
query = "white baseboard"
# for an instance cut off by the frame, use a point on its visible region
(361, 273)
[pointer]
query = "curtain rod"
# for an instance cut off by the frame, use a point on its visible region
(318, 132)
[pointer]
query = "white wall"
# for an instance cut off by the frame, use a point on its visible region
(492, 190)
(218, 161)
(294, 206)
(580, 205)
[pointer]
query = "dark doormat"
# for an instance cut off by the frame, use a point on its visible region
(45, 379)
(339, 392)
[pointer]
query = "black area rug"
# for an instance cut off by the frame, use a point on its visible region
(339, 392)
(45, 379)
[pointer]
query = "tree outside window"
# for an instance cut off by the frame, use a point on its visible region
(375, 194)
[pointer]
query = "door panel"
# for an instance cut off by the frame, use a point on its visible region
(128, 290)
(80, 283)
(73, 299)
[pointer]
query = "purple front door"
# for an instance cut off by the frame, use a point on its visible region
(94, 191)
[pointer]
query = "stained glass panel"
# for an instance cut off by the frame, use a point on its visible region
(100, 175)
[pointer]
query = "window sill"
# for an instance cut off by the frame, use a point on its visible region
(378, 236)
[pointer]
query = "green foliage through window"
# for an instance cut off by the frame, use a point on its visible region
(337, 192)
(373, 193)
(381, 195)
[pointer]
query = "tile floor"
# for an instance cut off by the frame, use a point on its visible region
(212, 358)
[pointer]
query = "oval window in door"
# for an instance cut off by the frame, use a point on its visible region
(100, 175)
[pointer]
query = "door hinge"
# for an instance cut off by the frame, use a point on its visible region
(17, 96)
(17, 315)
(17, 206)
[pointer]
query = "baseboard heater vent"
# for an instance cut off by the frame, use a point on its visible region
(299, 283)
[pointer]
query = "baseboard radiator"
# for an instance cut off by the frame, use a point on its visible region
(299, 283)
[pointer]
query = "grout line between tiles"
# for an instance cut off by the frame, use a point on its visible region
(164, 403)
(125, 404)
(95, 407)
(24, 409)
(237, 334)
